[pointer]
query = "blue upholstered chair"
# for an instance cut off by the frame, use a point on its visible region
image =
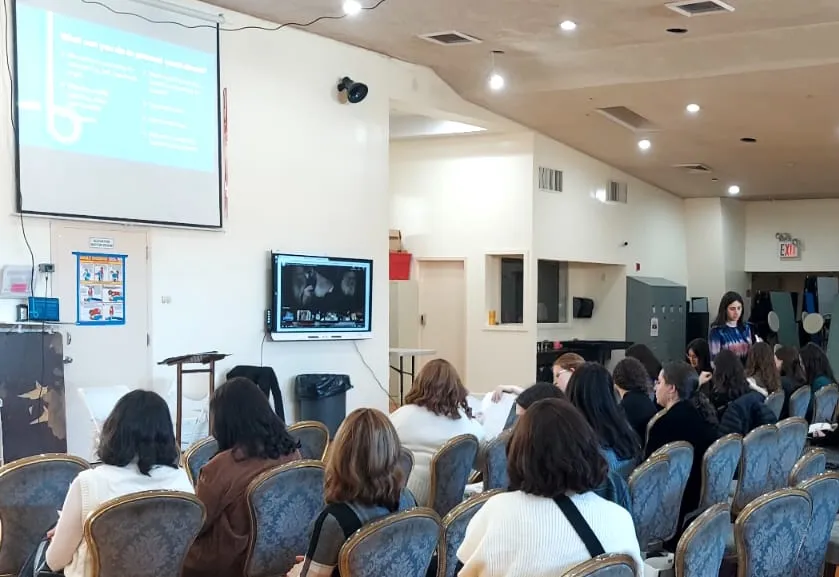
(407, 499)
(198, 455)
(283, 503)
(760, 448)
(680, 459)
(702, 546)
(604, 566)
(792, 437)
(495, 463)
(401, 544)
(454, 529)
(144, 534)
(512, 417)
(648, 486)
(811, 463)
(824, 404)
(313, 437)
(824, 495)
(769, 532)
(406, 462)
(799, 400)
(775, 402)
(32, 490)
(450, 470)
(719, 463)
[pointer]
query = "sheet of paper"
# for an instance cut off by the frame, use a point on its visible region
(495, 414)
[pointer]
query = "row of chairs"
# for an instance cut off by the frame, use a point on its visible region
(825, 403)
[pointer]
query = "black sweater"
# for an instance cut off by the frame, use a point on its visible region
(639, 409)
(744, 414)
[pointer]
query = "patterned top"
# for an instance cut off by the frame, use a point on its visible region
(736, 339)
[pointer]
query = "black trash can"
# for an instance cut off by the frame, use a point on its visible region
(322, 397)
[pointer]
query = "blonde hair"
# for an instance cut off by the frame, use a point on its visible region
(363, 462)
(439, 389)
(569, 361)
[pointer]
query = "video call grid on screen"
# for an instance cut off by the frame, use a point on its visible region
(125, 112)
(322, 294)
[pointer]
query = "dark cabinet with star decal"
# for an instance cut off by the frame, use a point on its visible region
(32, 391)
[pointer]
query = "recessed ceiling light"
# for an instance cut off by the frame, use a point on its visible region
(677, 30)
(748, 139)
(733, 189)
(568, 25)
(692, 108)
(644, 144)
(496, 81)
(352, 7)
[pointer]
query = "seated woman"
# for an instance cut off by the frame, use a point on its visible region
(362, 483)
(563, 368)
(138, 453)
(647, 357)
(632, 386)
(792, 374)
(435, 412)
(699, 356)
(689, 417)
(816, 370)
(251, 439)
(592, 391)
(526, 531)
(740, 408)
(761, 371)
(534, 393)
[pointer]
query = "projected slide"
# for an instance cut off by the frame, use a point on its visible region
(101, 91)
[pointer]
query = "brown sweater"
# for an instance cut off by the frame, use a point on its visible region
(222, 546)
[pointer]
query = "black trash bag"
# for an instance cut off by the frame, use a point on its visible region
(320, 386)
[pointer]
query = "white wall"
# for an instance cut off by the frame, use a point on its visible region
(705, 253)
(733, 218)
(813, 222)
(465, 197)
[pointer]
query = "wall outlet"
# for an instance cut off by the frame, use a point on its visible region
(46, 268)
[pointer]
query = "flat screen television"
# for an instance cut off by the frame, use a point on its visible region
(320, 298)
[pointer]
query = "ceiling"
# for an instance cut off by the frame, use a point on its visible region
(769, 70)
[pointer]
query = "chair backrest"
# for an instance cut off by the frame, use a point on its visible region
(799, 400)
(702, 546)
(792, 437)
(680, 457)
(495, 463)
(454, 529)
(760, 448)
(824, 494)
(719, 463)
(406, 462)
(811, 463)
(283, 503)
(648, 486)
(769, 532)
(32, 490)
(144, 534)
(313, 437)
(775, 402)
(609, 565)
(400, 544)
(198, 455)
(824, 404)
(450, 469)
(652, 422)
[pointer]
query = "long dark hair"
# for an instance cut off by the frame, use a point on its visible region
(815, 363)
(791, 365)
(729, 377)
(243, 420)
(647, 357)
(686, 382)
(722, 312)
(139, 428)
(702, 351)
(592, 391)
(760, 365)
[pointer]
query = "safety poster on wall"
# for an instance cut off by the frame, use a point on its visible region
(101, 289)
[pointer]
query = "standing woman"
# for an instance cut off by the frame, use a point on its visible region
(729, 332)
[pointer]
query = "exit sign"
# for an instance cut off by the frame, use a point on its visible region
(788, 250)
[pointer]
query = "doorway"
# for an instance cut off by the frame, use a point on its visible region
(442, 305)
(101, 355)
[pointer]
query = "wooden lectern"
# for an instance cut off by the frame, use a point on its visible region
(202, 359)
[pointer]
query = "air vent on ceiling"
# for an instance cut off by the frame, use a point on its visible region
(699, 7)
(617, 192)
(550, 179)
(450, 38)
(694, 168)
(627, 118)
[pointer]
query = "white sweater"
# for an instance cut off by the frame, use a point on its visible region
(91, 488)
(520, 535)
(423, 433)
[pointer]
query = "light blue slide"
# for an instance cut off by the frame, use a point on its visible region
(101, 91)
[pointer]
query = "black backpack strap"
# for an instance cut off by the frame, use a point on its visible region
(579, 524)
(346, 517)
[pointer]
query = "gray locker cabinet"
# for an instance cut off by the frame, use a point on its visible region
(649, 298)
